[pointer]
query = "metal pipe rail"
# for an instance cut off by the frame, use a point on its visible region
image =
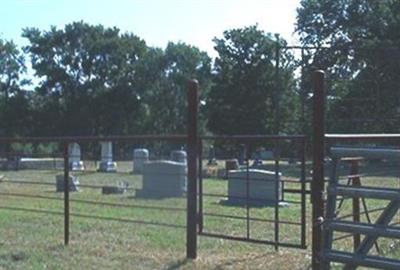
(67, 139)
(92, 202)
(153, 223)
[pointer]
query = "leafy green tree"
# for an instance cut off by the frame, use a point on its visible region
(87, 78)
(362, 57)
(14, 104)
(165, 75)
(15, 110)
(247, 88)
(12, 65)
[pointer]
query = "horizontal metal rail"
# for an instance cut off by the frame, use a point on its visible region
(296, 191)
(27, 182)
(364, 228)
(254, 137)
(251, 240)
(359, 260)
(363, 192)
(251, 218)
(244, 198)
(100, 187)
(35, 196)
(362, 137)
(149, 137)
(153, 223)
(142, 222)
(42, 211)
(172, 137)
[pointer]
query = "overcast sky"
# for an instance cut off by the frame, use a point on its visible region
(195, 22)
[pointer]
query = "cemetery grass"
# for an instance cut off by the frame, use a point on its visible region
(35, 241)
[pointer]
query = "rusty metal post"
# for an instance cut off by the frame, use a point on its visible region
(317, 186)
(192, 144)
(200, 186)
(66, 194)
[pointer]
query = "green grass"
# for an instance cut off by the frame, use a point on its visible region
(35, 241)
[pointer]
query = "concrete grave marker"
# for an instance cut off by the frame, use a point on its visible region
(163, 179)
(262, 186)
(107, 164)
(140, 156)
(74, 152)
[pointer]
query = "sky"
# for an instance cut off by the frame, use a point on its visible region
(195, 22)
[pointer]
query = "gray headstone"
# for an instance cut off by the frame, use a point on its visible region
(74, 152)
(163, 179)
(179, 156)
(107, 164)
(261, 183)
(73, 183)
(140, 156)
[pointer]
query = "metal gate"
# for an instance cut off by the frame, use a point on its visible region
(261, 199)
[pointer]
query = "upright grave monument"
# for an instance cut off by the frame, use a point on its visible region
(74, 153)
(163, 179)
(140, 156)
(262, 187)
(107, 164)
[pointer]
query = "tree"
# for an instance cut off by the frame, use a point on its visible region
(15, 111)
(88, 78)
(243, 99)
(14, 104)
(12, 65)
(362, 59)
(165, 75)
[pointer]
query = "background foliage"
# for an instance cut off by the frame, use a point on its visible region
(94, 80)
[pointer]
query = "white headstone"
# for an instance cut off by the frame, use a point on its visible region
(179, 156)
(74, 152)
(107, 164)
(106, 151)
(262, 187)
(163, 179)
(140, 156)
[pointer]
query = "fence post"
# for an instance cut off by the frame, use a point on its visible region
(192, 144)
(317, 187)
(66, 193)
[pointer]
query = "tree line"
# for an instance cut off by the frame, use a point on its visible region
(96, 80)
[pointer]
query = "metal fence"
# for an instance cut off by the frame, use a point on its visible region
(258, 217)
